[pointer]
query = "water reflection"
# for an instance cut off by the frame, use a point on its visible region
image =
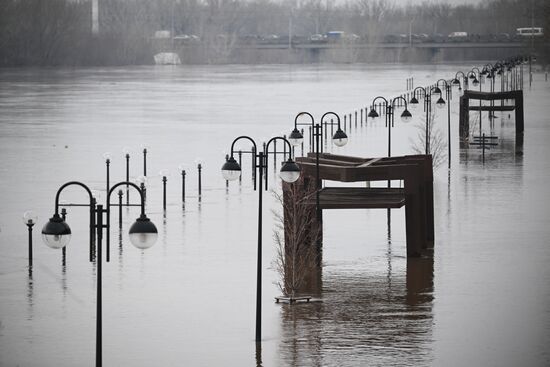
(258, 354)
(30, 295)
(389, 251)
(120, 261)
(387, 322)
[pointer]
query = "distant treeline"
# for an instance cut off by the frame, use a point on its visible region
(58, 32)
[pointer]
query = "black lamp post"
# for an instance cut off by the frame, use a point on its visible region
(489, 72)
(164, 174)
(441, 103)
(290, 172)
(199, 172)
(107, 157)
(57, 233)
(296, 138)
(30, 218)
(456, 81)
(126, 152)
(406, 116)
(475, 82)
(144, 148)
(427, 108)
(182, 170)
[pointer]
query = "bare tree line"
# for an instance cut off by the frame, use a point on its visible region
(58, 32)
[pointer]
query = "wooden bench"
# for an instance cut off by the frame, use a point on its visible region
(291, 300)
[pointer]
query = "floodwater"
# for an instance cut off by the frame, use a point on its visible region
(483, 300)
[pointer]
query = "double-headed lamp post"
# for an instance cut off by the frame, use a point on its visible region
(290, 172)
(428, 109)
(339, 139)
(456, 81)
(441, 103)
(56, 233)
(406, 116)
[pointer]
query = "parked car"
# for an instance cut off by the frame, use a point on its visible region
(317, 38)
(528, 32)
(458, 36)
(335, 36)
(504, 37)
(162, 34)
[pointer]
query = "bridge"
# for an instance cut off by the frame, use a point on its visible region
(346, 46)
(340, 52)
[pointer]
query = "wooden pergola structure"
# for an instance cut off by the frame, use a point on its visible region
(465, 108)
(416, 195)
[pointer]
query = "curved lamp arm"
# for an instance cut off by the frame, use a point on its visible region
(243, 137)
(377, 98)
(300, 114)
(126, 183)
(398, 98)
(435, 87)
(419, 88)
(266, 148)
(331, 113)
(71, 183)
(444, 83)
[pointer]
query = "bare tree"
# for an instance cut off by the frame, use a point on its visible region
(295, 235)
(436, 138)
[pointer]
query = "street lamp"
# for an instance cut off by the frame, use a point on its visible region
(30, 218)
(56, 233)
(472, 75)
(126, 151)
(144, 148)
(428, 108)
(441, 104)
(339, 139)
(296, 137)
(456, 82)
(107, 157)
(182, 168)
(406, 116)
(489, 72)
(290, 172)
(164, 173)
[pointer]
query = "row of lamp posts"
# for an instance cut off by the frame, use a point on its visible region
(290, 172)
(56, 233)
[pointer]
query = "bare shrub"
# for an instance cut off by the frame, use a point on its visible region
(437, 139)
(296, 235)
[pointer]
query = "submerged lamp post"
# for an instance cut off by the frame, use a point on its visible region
(30, 218)
(473, 74)
(164, 175)
(56, 233)
(144, 148)
(290, 172)
(406, 116)
(296, 138)
(456, 81)
(182, 167)
(126, 152)
(441, 103)
(107, 157)
(428, 109)
(488, 73)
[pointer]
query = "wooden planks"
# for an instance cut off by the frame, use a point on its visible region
(360, 198)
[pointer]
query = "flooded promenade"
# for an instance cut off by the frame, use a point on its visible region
(483, 300)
